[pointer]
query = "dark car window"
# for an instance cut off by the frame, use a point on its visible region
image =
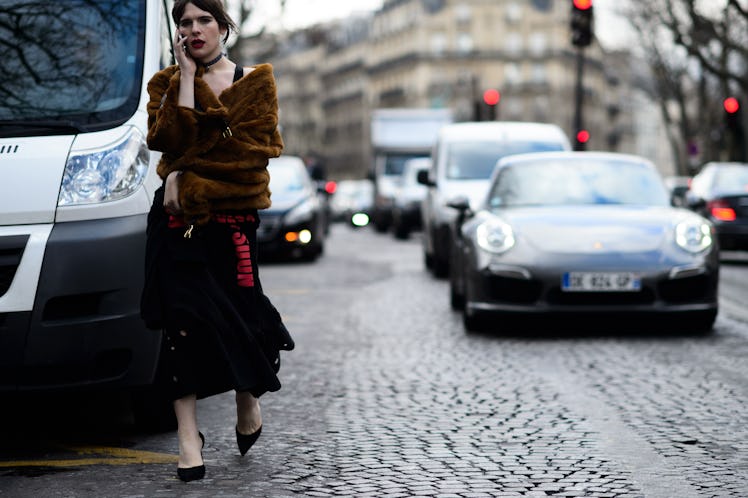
(476, 160)
(70, 62)
(731, 179)
(577, 182)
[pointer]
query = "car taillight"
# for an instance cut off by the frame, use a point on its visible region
(721, 211)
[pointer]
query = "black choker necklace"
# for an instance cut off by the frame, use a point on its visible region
(210, 63)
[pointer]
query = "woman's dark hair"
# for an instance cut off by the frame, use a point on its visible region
(216, 9)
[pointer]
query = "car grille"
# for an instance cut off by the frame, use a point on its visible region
(269, 227)
(11, 250)
(557, 296)
(512, 290)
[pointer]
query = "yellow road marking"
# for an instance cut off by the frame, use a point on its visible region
(106, 456)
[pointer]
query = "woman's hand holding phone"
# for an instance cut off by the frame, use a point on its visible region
(182, 54)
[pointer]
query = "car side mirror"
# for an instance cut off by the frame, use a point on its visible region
(462, 205)
(423, 178)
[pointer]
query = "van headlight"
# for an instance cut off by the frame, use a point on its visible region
(693, 235)
(105, 174)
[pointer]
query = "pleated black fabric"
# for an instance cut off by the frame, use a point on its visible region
(220, 330)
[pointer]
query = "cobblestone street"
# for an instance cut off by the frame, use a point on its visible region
(386, 395)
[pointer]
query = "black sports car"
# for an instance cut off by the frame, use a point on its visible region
(582, 234)
(720, 193)
(294, 226)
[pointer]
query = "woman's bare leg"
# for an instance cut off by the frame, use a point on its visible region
(190, 444)
(248, 414)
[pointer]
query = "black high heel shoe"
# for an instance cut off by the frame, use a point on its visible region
(245, 441)
(193, 473)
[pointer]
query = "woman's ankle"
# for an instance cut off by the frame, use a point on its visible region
(248, 413)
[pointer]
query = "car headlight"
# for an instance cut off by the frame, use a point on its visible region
(693, 236)
(494, 236)
(107, 174)
(300, 214)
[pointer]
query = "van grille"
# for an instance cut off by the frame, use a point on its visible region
(11, 250)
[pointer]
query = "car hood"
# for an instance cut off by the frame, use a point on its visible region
(286, 200)
(592, 229)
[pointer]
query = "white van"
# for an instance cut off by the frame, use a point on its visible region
(462, 162)
(76, 183)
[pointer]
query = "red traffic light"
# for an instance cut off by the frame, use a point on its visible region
(731, 105)
(491, 96)
(583, 136)
(583, 4)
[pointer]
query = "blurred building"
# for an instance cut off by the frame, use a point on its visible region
(441, 53)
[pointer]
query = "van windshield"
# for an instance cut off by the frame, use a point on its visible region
(69, 64)
(476, 160)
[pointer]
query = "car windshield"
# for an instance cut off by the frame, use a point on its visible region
(69, 64)
(577, 182)
(731, 179)
(476, 160)
(287, 177)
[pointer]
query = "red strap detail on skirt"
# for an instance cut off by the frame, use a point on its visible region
(244, 274)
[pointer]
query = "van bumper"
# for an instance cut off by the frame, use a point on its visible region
(85, 328)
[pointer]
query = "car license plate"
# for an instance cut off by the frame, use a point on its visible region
(600, 282)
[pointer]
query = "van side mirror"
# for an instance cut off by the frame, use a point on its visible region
(423, 178)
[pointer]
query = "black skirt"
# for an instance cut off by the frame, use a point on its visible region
(203, 292)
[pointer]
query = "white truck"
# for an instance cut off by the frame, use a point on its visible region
(398, 135)
(76, 184)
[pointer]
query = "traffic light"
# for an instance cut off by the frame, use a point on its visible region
(583, 136)
(732, 113)
(735, 135)
(491, 98)
(485, 109)
(581, 23)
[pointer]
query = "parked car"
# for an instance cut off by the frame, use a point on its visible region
(582, 234)
(462, 161)
(720, 192)
(294, 226)
(352, 202)
(409, 194)
(678, 186)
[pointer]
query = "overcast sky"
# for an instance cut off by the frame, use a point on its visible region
(301, 13)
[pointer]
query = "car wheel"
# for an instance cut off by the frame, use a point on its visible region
(401, 231)
(473, 322)
(440, 267)
(428, 261)
(456, 298)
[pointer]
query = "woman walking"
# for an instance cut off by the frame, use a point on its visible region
(216, 124)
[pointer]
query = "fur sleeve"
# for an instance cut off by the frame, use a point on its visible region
(171, 128)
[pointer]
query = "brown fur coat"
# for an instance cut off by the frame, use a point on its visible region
(221, 171)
